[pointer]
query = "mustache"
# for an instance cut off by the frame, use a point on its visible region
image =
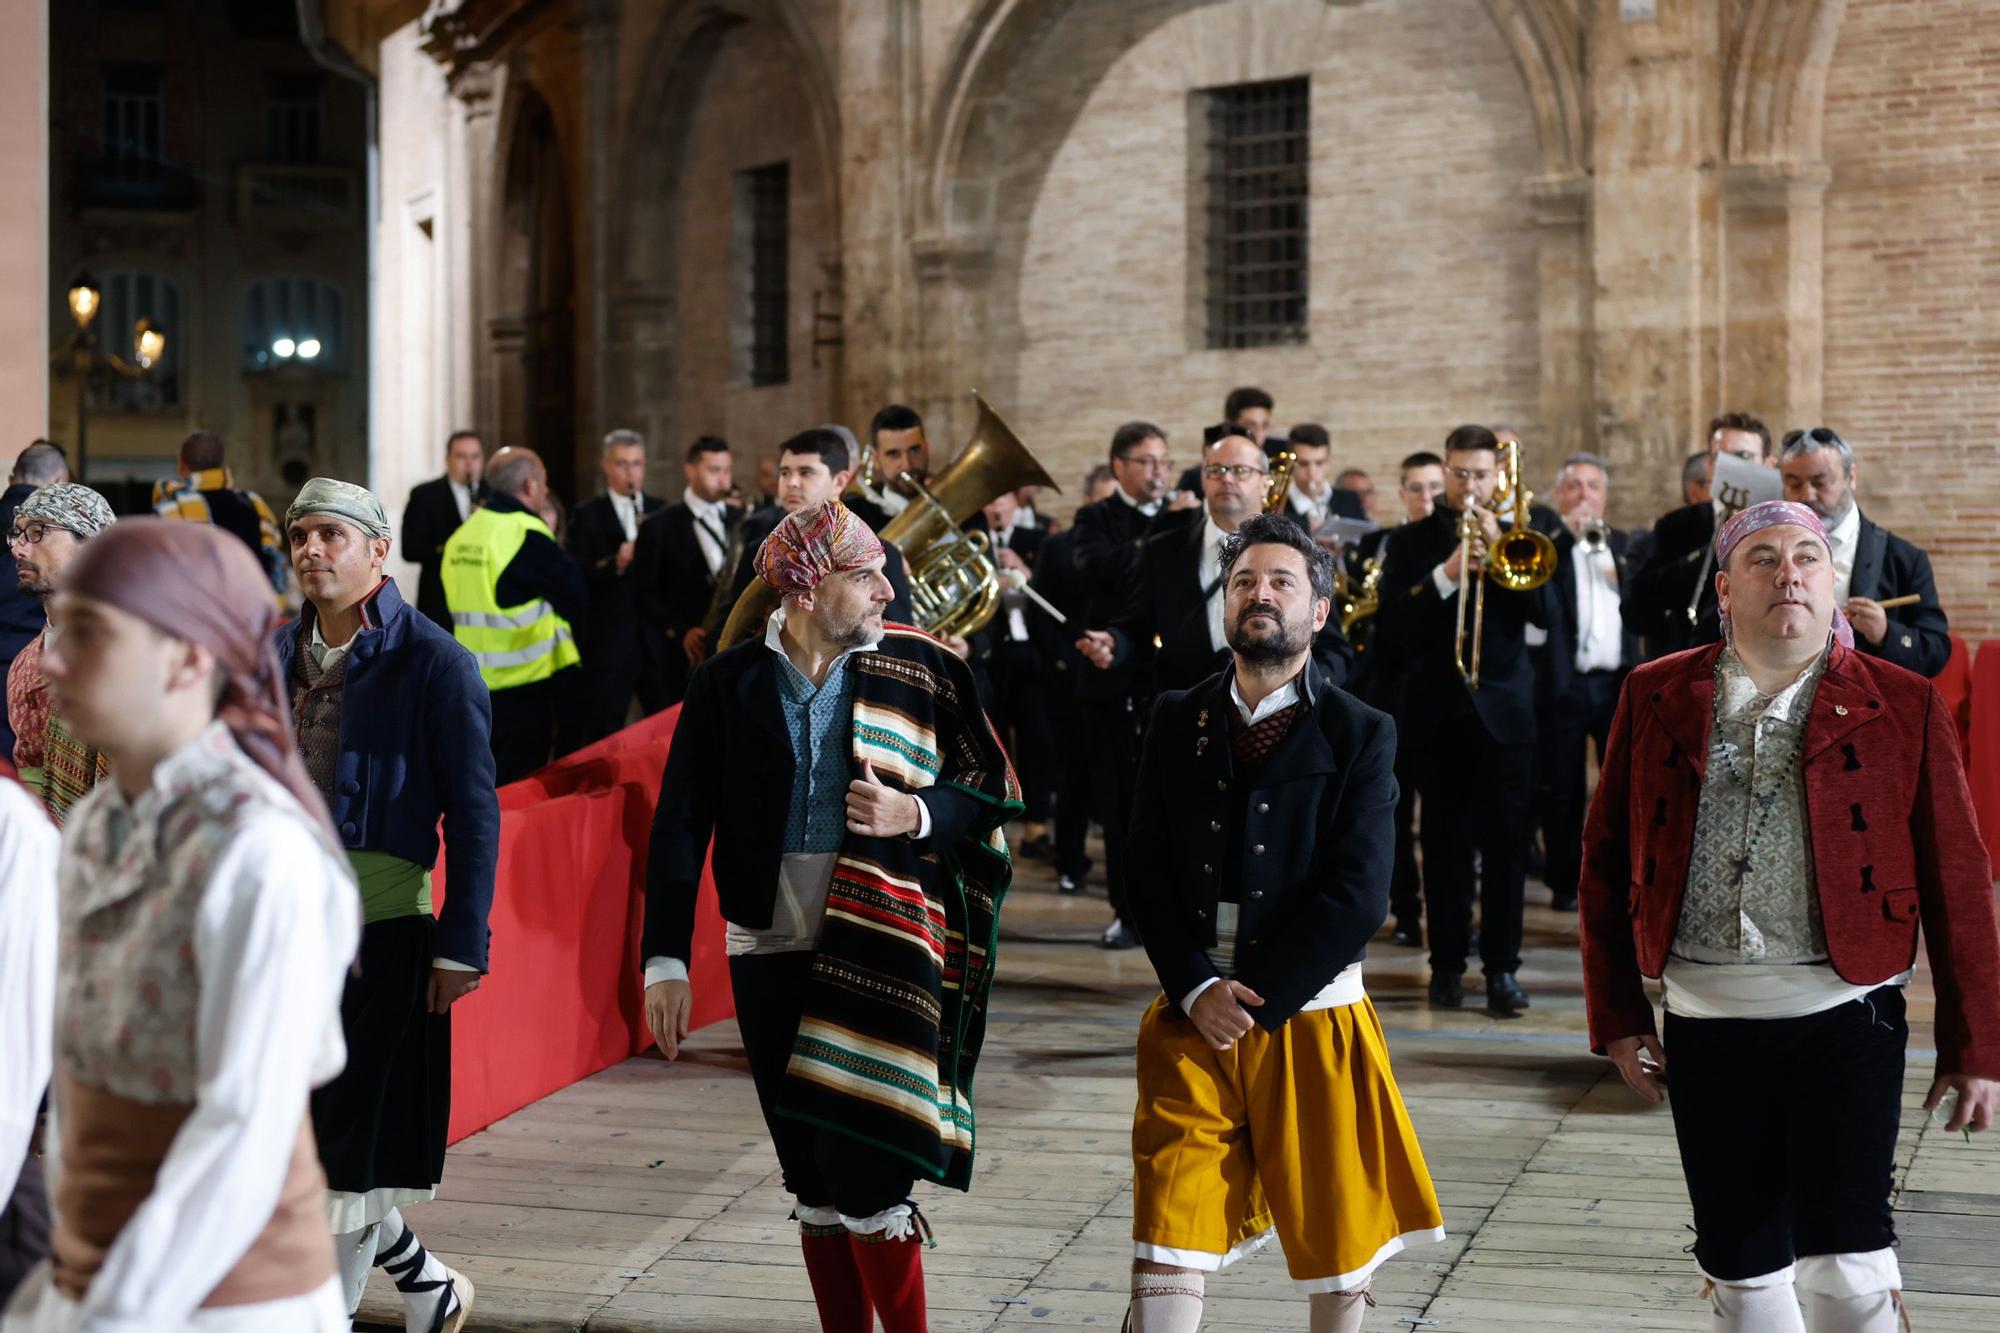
(1260, 609)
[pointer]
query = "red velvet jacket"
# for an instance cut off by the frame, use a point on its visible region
(1890, 824)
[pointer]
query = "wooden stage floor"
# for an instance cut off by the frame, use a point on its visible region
(647, 1197)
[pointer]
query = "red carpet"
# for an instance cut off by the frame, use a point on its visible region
(562, 999)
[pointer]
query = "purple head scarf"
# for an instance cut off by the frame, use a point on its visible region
(1771, 514)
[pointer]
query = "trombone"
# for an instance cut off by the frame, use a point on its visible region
(1520, 561)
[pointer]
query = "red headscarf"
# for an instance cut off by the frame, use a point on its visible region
(196, 582)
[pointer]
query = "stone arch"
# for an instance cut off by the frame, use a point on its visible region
(532, 337)
(1547, 39)
(654, 140)
(1779, 56)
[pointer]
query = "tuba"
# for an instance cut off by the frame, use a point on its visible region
(954, 587)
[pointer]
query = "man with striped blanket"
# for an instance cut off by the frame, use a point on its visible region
(855, 793)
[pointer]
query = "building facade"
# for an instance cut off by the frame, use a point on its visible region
(1600, 220)
(208, 173)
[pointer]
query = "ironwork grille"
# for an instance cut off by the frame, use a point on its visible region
(768, 190)
(1257, 188)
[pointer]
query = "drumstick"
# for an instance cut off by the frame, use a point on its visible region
(1907, 599)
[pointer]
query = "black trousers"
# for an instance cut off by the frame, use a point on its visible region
(24, 1228)
(1076, 797)
(1477, 795)
(1114, 776)
(1406, 882)
(524, 725)
(1020, 715)
(598, 697)
(1787, 1131)
(822, 1168)
(1582, 714)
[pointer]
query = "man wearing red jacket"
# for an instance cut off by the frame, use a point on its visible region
(1777, 815)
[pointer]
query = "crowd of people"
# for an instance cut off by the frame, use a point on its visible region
(237, 994)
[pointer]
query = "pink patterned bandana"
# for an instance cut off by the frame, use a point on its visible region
(813, 542)
(1771, 514)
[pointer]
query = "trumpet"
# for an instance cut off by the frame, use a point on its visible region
(1520, 561)
(1281, 481)
(1596, 535)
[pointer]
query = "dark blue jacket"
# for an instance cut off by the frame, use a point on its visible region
(416, 728)
(20, 612)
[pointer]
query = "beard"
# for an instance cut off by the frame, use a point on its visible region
(862, 629)
(1283, 641)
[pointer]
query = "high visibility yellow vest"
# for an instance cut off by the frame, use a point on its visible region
(513, 645)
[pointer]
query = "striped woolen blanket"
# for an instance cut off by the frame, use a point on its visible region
(895, 1011)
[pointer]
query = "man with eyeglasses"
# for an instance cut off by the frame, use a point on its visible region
(1171, 624)
(1104, 550)
(1472, 749)
(1871, 565)
(49, 528)
(1663, 585)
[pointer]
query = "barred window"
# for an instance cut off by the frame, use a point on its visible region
(763, 214)
(1258, 148)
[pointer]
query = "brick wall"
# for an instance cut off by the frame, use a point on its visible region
(1912, 277)
(1423, 282)
(752, 113)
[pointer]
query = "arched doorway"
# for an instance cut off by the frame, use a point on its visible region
(541, 282)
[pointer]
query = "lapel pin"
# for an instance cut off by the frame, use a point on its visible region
(1840, 710)
(1200, 745)
(1201, 719)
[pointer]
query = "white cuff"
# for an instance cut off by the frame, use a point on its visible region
(923, 817)
(452, 965)
(1534, 636)
(1187, 1000)
(1446, 587)
(664, 968)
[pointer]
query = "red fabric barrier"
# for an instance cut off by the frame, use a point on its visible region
(1982, 753)
(1954, 685)
(562, 997)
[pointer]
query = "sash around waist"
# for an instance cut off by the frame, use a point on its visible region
(112, 1147)
(390, 886)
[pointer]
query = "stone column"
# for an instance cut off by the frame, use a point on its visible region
(598, 409)
(471, 165)
(1652, 225)
(26, 297)
(954, 277)
(1561, 207)
(878, 91)
(1774, 272)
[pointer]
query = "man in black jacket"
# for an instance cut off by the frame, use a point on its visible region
(680, 551)
(1261, 852)
(1871, 565)
(1472, 749)
(1661, 590)
(434, 511)
(621, 649)
(1007, 661)
(21, 615)
(1108, 540)
(1579, 669)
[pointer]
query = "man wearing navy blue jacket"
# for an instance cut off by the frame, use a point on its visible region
(395, 726)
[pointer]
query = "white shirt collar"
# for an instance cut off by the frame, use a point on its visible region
(774, 638)
(711, 509)
(1740, 695)
(1283, 697)
(461, 494)
(1848, 531)
(1148, 507)
(329, 653)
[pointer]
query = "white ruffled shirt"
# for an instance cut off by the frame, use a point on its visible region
(28, 847)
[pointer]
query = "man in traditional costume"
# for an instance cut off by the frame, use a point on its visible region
(1262, 845)
(50, 527)
(28, 844)
(393, 723)
(856, 794)
(207, 919)
(1776, 815)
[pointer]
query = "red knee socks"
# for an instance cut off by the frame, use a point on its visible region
(836, 1280)
(892, 1271)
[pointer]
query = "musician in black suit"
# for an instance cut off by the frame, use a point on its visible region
(1108, 537)
(1473, 750)
(814, 466)
(1663, 587)
(1871, 565)
(1312, 497)
(621, 649)
(434, 511)
(1007, 662)
(678, 554)
(1579, 669)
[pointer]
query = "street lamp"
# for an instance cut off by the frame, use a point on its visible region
(149, 345)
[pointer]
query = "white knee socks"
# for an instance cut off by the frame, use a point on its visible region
(1340, 1311)
(1771, 1307)
(1852, 1293)
(1165, 1303)
(424, 1282)
(353, 1256)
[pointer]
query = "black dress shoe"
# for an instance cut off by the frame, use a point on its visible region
(1040, 849)
(1504, 996)
(1562, 902)
(1118, 935)
(1447, 991)
(1410, 937)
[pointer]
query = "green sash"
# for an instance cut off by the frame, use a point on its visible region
(390, 886)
